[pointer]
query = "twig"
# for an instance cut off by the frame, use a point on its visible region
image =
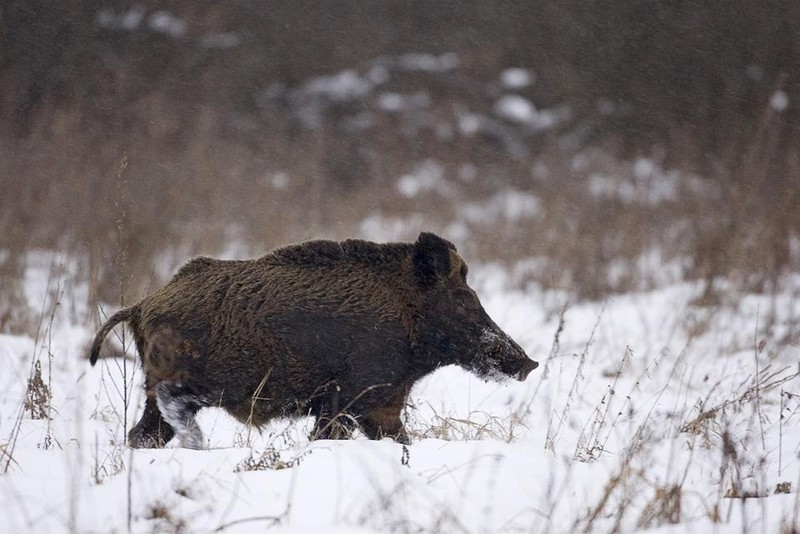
(758, 391)
(273, 521)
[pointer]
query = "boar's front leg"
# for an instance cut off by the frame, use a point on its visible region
(338, 422)
(385, 422)
(340, 426)
(332, 422)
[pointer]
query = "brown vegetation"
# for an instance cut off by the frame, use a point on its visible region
(129, 131)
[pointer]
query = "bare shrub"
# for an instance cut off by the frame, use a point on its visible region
(37, 395)
(162, 514)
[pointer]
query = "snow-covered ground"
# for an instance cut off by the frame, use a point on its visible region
(646, 413)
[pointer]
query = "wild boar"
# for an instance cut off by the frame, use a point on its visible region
(337, 330)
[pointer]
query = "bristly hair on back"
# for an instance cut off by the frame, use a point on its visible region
(321, 253)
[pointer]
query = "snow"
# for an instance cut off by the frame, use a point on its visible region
(343, 86)
(509, 205)
(518, 109)
(634, 402)
(428, 62)
(472, 124)
(516, 78)
(131, 20)
(779, 101)
(167, 23)
(221, 41)
(428, 176)
(392, 102)
(646, 183)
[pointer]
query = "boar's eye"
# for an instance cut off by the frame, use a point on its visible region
(464, 271)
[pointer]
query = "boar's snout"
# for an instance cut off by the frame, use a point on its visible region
(528, 366)
(502, 357)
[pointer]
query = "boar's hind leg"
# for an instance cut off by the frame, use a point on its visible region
(178, 404)
(152, 431)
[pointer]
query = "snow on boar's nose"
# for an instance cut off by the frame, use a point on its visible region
(500, 356)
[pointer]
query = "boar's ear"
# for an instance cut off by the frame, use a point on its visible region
(432, 258)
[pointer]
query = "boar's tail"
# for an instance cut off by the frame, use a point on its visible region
(120, 316)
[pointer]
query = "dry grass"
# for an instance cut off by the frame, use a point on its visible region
(477, 426)
(706, 419)
(269, 459)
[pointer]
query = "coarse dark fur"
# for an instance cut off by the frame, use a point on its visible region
(338, 330)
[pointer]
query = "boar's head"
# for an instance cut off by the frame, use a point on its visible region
(454, 328)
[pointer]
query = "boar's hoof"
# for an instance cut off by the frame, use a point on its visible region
(340, 427)
(402, 438)
(138, 440)
(152, 431)
(390, 429)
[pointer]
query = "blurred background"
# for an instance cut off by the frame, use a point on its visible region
(585, 146)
